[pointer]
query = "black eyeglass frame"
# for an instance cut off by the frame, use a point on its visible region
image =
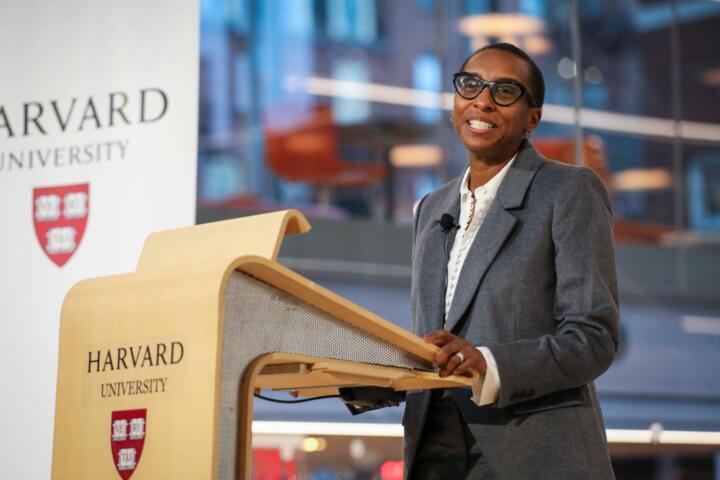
(524, 92)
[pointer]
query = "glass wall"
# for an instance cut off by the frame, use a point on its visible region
(340, 108)
(313, 103)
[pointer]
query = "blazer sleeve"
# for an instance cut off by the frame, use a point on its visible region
(585, 339)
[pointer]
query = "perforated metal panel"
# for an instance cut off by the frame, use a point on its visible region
(259, 319)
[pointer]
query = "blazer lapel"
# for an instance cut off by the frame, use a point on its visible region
(493, 233)
(433, 264)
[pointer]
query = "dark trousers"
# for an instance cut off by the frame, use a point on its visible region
(447, 448)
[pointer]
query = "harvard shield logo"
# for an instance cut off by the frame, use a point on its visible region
(60, 216)
(127, 437)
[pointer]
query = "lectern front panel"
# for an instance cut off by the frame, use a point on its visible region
(260, 318)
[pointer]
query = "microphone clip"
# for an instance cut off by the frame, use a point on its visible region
(447, 222)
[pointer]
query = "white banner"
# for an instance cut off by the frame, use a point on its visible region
(98, 138)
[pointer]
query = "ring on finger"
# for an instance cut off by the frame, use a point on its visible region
(460, 356)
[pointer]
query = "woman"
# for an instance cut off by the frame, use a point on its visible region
(514, 277)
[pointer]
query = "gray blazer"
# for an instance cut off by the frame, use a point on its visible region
(538, 288)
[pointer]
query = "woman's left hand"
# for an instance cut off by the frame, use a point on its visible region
(456, 355)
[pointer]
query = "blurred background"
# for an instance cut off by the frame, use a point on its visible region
(340, 108)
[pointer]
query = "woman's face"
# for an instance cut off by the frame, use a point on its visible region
(490, 132)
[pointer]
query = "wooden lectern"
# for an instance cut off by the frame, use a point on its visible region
(158, 367)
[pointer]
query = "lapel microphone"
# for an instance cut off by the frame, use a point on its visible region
(447, 222)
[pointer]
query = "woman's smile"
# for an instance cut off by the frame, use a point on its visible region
(476, 125)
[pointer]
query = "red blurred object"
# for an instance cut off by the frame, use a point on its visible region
(392, 470)
(563, 150)
(267, 465)
(302, 146)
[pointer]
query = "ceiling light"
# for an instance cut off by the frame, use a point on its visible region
(566, 68)
(537, 45)
(636, 179)
(500, 25)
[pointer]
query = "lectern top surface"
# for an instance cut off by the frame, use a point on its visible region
(260, 235)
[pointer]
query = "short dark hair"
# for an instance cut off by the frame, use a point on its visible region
(537, 82)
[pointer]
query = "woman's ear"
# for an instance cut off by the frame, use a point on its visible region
(534, 121)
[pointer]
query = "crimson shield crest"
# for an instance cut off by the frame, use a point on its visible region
(60, 216)
(127, 437)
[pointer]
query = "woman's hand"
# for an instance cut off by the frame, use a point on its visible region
(455, 355)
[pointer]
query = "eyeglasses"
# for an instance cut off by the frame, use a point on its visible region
(470, 86)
